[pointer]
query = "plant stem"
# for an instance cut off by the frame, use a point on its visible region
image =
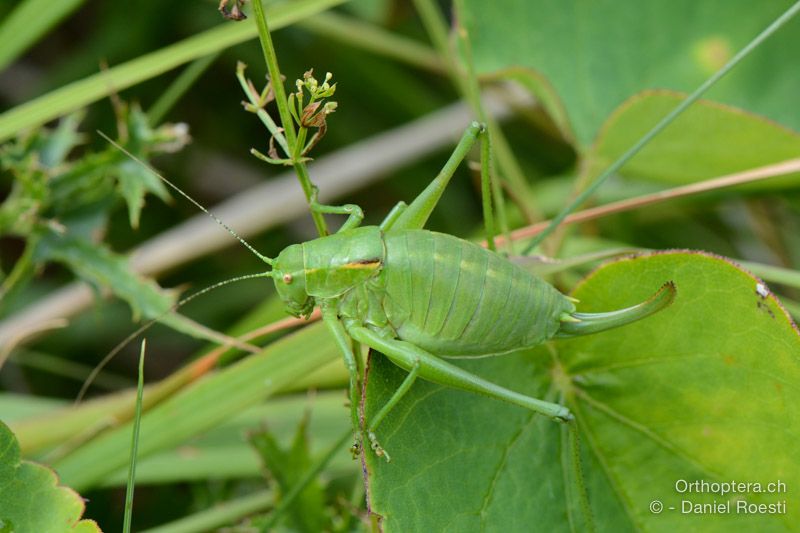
(486, 189)
(283, 111)
(469, 88)
(258, 107)
(274, 72)
(436, 27)
(472, 93)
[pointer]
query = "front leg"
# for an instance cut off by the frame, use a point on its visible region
(330, 316)
(354, 212)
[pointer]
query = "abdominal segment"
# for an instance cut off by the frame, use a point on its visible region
(454, 298)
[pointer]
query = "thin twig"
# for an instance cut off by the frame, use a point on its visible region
(31, 331)
(748, 176)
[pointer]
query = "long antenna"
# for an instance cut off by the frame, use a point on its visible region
(147, 325)
(177, 189)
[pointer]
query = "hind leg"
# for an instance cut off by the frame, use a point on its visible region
(416, 215)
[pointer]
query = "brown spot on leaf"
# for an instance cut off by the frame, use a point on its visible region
(764, 307)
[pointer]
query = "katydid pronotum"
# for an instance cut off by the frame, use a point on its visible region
(419, 296)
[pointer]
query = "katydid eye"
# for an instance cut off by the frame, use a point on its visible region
(287, 278)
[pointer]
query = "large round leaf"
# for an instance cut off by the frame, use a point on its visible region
(705, 390)
(708, 140)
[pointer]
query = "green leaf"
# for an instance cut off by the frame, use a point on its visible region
(708, 140)
(30, 497)
(96, 264)
(704, 390)
(99, 266)
(288, 467)
(134, 179)
(48, 188)
(597, 54)
(32, 161)
(83, 92)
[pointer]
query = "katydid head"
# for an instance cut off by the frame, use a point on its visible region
(289, 274)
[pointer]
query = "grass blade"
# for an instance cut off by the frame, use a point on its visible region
(178, 87)
(373, 38)
(219, 515)
(83, 92)
(126, 525)
(30, 20)
(202, 405)
(773, 274)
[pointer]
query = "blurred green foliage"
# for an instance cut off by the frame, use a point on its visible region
(61, 206)
(73, 206)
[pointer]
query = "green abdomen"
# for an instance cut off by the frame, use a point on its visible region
(454, 298)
